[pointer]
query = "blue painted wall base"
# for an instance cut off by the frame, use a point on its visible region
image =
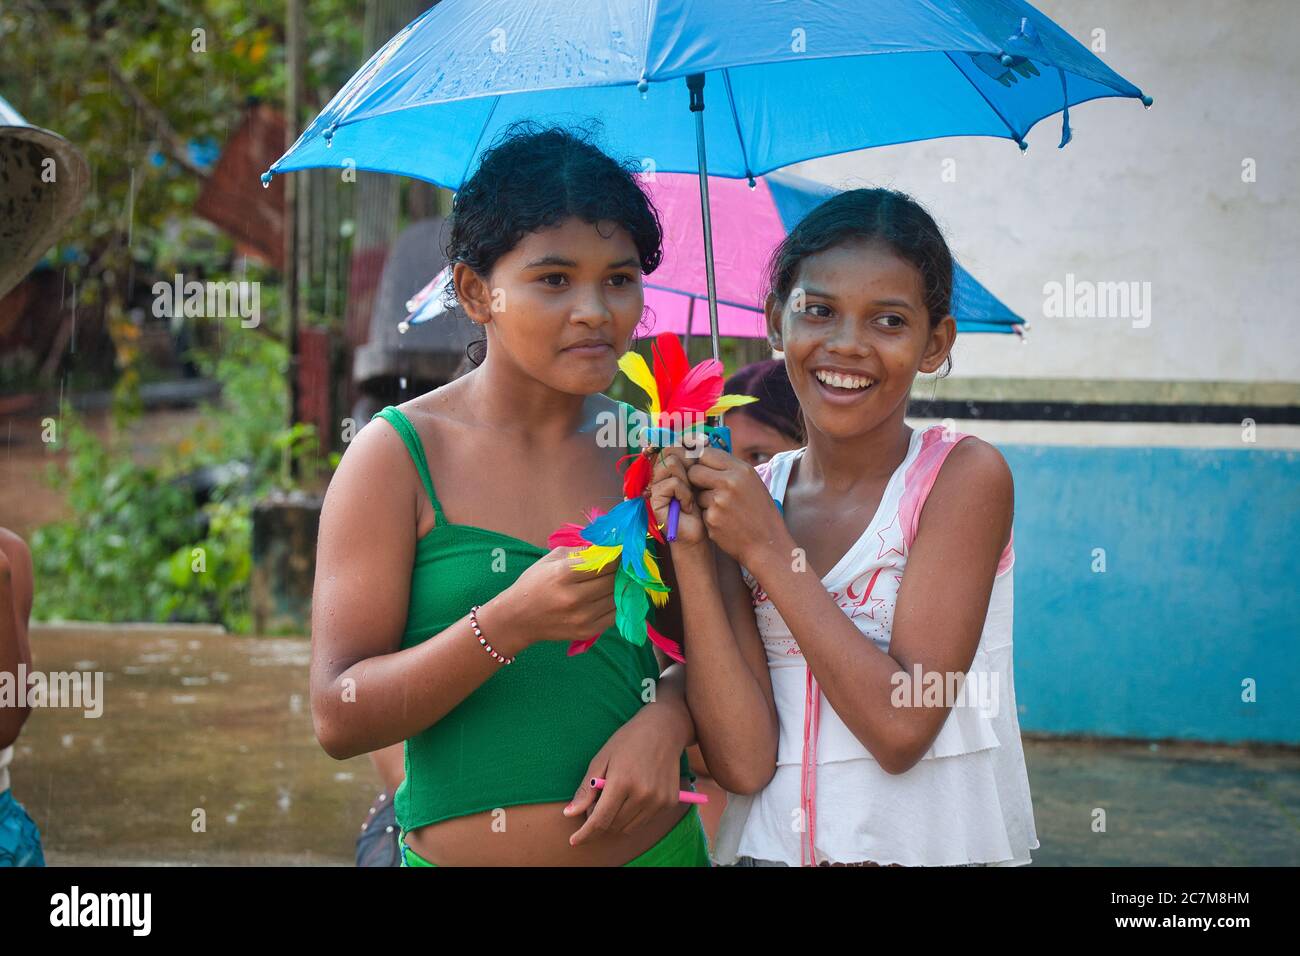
(1201, 549)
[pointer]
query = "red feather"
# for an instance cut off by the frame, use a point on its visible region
(699, 390)
(670, 366)
(638, 475)
(578, 647)
(570, 535)
(654, 527)
(669, 647)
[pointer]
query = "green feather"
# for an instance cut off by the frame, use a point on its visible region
(630, 608)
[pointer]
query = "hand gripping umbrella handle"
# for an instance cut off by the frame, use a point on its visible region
(719, 437)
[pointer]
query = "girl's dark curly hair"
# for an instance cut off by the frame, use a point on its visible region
(533, 177)
(870, 215)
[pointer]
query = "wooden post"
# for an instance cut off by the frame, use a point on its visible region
(293, 106)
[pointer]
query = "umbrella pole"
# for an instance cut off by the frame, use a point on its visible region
(695, 83)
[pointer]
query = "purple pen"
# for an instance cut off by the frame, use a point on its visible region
(674, 510)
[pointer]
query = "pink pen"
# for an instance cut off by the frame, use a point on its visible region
(685, 796)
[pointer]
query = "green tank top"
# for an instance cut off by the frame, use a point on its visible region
(527, 733)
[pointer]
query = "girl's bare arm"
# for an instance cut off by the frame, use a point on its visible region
(366, 693)
(728, 688)
(15, 609)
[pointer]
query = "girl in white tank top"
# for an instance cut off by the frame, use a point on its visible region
(896, 741)
(967, 800)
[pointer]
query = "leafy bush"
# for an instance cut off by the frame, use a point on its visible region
(139, 548)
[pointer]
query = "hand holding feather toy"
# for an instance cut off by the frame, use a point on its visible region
(680, 399)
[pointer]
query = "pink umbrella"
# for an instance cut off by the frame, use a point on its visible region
(747, 224)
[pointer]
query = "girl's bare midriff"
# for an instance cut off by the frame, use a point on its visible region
(535, 834)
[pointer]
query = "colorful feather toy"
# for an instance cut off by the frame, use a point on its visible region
(681, 398)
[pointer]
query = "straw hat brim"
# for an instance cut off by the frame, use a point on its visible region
(37, 200)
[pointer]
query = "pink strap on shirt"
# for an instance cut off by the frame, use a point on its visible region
(812, 712)
(920, 479)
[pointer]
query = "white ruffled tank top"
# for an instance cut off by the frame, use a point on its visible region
(967, 800)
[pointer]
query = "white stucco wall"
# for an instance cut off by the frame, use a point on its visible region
(1149, 196)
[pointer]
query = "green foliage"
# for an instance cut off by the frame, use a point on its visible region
(129, 519)
(132, 84)
(136, 549)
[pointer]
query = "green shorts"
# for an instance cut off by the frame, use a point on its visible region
(684, 845)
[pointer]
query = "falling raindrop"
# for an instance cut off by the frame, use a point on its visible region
(402, 382)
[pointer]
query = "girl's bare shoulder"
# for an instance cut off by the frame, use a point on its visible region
(975, 470)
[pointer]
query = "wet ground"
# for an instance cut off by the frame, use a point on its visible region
(204, 754)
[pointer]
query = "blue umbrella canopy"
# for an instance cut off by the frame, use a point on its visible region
(975, 307)
(785, 82)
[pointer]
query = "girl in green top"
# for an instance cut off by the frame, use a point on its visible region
(446, 506)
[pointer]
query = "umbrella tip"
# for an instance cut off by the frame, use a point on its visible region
(266, 179)
(1146, 102)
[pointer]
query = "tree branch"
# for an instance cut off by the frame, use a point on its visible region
(172, 144)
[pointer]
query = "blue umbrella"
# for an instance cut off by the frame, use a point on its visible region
(975, 308)
(787, 82)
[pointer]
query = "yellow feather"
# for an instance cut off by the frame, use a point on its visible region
(634, 367)
(658, 598)
(729, 401)
(597, 556)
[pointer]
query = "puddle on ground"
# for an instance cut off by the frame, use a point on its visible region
(216, 763)
(212, 762)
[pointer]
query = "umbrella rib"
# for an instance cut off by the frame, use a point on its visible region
(1018, 137)
(474, 152)
(652, 11)
(740, 136)
(662, 287)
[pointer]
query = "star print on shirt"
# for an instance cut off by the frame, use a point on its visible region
(864, 604)
(885, 547)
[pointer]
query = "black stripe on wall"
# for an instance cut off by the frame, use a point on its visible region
(1103, 412)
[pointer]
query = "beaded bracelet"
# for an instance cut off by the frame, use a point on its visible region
(473, 622)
